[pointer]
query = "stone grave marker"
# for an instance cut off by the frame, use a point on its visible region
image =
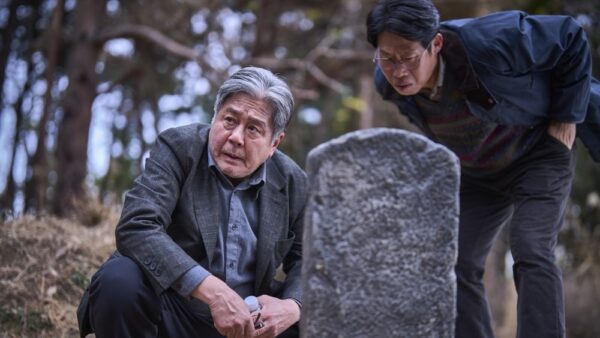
(380, 241)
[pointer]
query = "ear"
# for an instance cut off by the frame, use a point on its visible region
(276, 143)
(437, 43)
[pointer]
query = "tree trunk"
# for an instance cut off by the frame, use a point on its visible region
(8, 196)
(366, 114)
(452, 9)
(266, 27)
(7, 34)
(74, 128)
(35, 189)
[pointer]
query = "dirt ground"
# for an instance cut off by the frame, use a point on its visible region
(45, 264)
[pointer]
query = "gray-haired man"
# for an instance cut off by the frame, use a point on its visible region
(217, 210)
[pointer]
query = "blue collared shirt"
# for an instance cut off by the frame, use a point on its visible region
(234, 260)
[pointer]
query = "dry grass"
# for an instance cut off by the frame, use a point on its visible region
(581, 275)
(45, 264)
(582, 289)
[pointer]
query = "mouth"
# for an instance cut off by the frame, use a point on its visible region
(402, 85)
(232, 156)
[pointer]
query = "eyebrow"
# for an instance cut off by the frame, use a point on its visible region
(401, 57)
(236, 112)
(392, 54)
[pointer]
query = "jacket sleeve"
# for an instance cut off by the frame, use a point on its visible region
(141, 231)
(515, 44)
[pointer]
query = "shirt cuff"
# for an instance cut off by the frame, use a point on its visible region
(190, 280)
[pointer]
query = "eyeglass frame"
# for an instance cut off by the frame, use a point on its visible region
(406, 64)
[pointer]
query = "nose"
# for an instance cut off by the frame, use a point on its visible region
(400, 69)
(237, 136)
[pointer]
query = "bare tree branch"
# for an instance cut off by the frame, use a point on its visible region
(301, 65)
(321, 48)
(304, 94)
(307, 64)
(348, 54)
(150, 34)
(123, 78)
(320, 76)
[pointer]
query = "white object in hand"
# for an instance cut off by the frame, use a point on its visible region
(252, 303)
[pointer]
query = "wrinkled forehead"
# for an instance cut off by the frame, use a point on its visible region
(257, 110)
(246, 103)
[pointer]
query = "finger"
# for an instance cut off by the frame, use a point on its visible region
(239, 330)
(260, 333)
(249, 329)
(265, 299)
(224, 331)
(232, 334)
(268, 331)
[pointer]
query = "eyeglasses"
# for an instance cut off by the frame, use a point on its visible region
(388, 64)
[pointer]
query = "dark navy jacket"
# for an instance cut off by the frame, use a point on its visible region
(518, 69)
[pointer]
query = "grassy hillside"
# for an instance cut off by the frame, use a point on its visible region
(45, 264)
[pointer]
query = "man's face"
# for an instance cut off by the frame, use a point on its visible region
(240, 138)
(406, 65)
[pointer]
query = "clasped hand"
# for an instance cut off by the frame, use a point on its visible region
(232, 318)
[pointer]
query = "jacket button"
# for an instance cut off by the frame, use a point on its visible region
(490, 101)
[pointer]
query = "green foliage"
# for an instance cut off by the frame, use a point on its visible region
(543, 6)
(80, 279)
(23, 319)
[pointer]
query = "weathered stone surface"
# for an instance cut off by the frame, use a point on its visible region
(380, 241)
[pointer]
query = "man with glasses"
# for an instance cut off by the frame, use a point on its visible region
(507, 93)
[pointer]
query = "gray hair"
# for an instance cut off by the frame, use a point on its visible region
(261, 84)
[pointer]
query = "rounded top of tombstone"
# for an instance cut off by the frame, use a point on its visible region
(382, 142)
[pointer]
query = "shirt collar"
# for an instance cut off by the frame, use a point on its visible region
(258, 177)
(435, 93)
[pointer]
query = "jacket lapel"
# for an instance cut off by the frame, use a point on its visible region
(272, 220)
(206, 202)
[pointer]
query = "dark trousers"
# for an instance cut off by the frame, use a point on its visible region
(530, 196)
(122, 303)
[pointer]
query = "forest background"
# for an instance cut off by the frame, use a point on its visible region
(88, 84)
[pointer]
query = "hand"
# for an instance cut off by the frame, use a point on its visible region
(277, 315)
(230, 314)
(564, 132)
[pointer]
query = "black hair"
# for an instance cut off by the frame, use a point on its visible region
(414, 20)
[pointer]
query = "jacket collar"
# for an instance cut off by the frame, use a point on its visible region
(458, 63)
